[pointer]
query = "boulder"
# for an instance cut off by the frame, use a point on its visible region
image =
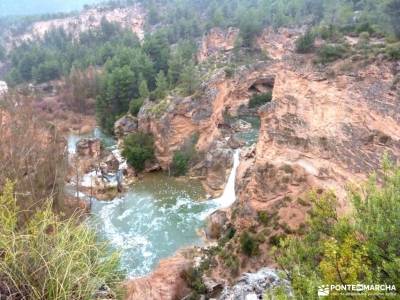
(213, 287)
(216, 224)
(255, 285)
(112, 163)
(89, 147)
(235, 143)
(241, 126)
(125, 125)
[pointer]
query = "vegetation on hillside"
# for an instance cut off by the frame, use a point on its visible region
(165, 59)
(361, 247)
(260, 99)
(138, 148)
(46, 258)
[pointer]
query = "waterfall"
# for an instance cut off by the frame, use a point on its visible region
(229, 195)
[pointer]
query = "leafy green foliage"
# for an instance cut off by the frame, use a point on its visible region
(180, 163)
(193, 277)
(359, 248)
(331, 52)
(117, 90)
(263, 217)
(260, 99)
(51, 259)
(184, 157)
(249, 244)
(305, 43)
(138, 148)
(189, 80)
(393, 9)
(393, 51)
(161, 86)
(135, 105)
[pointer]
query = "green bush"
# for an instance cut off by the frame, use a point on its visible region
(263, 217)
(231, 261)
(331, 52)
(138, 148)
(193, 277)
(260, 99)
(329, 33)
(135, 105)
(180, 163)
(46, 258)
(361, 246)
(249, 244)
(305, 43)
(393, 51)
(229, 71)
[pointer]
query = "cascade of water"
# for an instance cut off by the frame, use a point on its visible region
(229, 195)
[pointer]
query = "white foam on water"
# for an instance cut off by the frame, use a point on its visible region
(229, 195)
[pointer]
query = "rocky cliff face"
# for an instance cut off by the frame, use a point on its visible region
(319, 132)
(217, 41)
(325, 126)
(132, 17)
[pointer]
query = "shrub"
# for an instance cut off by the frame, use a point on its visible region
(193, 277)
(260, 99)
(138, 148)
(359, 247)
(135, 105)
(231, 261)
(46, 258)
(248, 244)
(180, 163)
(263, 217)
(182, 158)
(305, 43)
(229, 71)
(331, 52)
(393, 51)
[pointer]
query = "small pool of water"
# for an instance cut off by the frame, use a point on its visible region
(250, 136)
(155, 218)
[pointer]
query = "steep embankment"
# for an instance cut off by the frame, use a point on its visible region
(326, 126)
(132, 17)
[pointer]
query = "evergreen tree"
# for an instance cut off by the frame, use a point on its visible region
(189, 79)
(144, 90)
(161, 86)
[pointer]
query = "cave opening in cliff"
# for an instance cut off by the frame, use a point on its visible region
(262, 85)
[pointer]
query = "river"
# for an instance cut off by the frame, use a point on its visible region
(157, 216)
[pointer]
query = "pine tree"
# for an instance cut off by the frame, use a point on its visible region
(189, 79)
(161, 86)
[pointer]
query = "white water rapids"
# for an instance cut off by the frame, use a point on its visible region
(157, 216)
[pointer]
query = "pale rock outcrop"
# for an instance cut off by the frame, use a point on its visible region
(125, 125)
(217, 41)
(3, 88)
(216, 224)
(254, 285)
(166, 282)
(132, 17)
(90, 147)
